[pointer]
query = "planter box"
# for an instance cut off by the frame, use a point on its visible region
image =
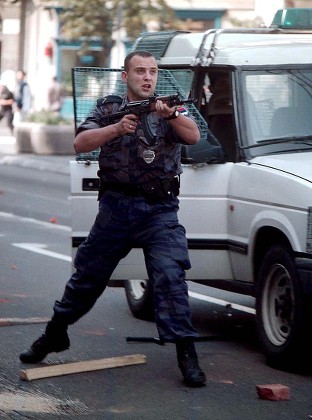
(45, 139)
(22, 134)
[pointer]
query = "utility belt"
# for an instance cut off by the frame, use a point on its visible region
(155, 190)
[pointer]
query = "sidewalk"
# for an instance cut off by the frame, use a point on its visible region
(47, 163)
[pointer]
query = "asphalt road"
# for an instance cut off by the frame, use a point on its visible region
(34, 265)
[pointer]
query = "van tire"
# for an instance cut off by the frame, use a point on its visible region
(281, 310)
(139, 294)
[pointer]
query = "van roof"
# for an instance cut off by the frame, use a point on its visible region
(234, 47)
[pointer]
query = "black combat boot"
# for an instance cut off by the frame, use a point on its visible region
(55, 339)
(188, 363)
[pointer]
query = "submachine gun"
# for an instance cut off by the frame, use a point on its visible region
(148, 105)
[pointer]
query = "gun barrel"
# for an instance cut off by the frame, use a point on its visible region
(145, 106)
(175, 100)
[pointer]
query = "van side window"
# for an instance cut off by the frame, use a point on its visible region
(218, 112)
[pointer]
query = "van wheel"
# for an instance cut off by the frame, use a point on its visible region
(281, 311)
(139, 294)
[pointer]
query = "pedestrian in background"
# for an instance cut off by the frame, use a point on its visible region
(23, 96)
(138, 204)
(6, 106)
(55, 96)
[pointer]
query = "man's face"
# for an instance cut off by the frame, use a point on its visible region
(141, 77)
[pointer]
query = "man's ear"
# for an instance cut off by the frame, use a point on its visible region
(124, 76)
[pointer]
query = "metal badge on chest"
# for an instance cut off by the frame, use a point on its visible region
(148, 143)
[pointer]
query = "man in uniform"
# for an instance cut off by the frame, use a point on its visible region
(139, 168)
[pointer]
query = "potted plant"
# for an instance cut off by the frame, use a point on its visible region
(45, 133)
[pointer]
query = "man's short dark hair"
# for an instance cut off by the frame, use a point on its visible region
(141, 53)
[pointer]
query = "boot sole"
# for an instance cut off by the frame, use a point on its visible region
(195, 384)
(33, 359)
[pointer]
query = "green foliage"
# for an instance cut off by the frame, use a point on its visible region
(47, 117)
(136, 14)
(99, 18)
(86, 19)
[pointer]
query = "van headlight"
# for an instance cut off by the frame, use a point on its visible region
(309, 231)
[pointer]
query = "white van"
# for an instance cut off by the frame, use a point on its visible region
(246, 192)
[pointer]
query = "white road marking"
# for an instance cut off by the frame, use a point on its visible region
(40, 249)
(35, 221)
(222, 302)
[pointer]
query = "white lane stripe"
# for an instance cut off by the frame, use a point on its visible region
(35, 221)
(35, 248)
(222, 302)
(52, 254)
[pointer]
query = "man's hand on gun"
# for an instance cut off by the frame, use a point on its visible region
(163, 110)
(127, 125)
(129, 122)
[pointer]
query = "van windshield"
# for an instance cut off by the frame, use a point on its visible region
(277, 108)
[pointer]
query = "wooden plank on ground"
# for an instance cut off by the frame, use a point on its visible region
(79, 367)
(5, 322)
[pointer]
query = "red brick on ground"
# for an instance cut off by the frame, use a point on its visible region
(273, 392)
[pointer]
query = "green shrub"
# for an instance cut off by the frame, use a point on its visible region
(47, 117)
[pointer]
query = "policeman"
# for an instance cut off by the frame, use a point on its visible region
(139, 167)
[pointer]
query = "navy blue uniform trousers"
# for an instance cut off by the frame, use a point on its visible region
(122, 223)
